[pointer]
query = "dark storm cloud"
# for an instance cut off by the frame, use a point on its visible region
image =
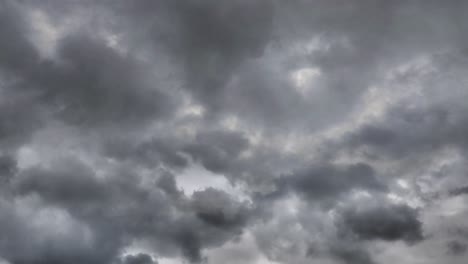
(385, 222)
(120, 210)
(69, 182)
(150, 153)
(24, 243)
(17, 52)
(205, 39)
(216, 150)
(406, 131)
(88, 83)
(94, 84)
(351, 255)
(324, 183)
(218, 44)
(217, 209)
(20, 114)
(8, 168)
(455, 247)
(111, 113)
(18, 108)
(459, 191)
(168, 184)
(138, 259)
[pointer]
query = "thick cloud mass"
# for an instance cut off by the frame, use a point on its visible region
(139, 259)
(387, 223)
(233, 131)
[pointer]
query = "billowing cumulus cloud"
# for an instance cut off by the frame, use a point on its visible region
(253, 131)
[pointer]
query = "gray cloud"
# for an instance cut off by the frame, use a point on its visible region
(215, 208)
(119, 209)
(139, 259)
(186, 130)
(325, 182)
(459, 191)
(216, 150)
(352, 256)
(455, 247)
(386, 222)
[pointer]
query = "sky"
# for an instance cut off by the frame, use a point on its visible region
(233, 131)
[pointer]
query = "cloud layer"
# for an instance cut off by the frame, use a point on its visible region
(233, 131)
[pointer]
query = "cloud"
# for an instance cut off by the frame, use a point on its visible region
(337, 129)
(385, 222)
(216, 150)
(326, 182)
(118, 209)
(352, 256)
(216, 208)
(455, 247)
(459, 191)
(140, 258)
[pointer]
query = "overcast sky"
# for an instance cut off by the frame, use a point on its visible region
(233, 131)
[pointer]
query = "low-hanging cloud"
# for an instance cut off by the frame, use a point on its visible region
(155, 132)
